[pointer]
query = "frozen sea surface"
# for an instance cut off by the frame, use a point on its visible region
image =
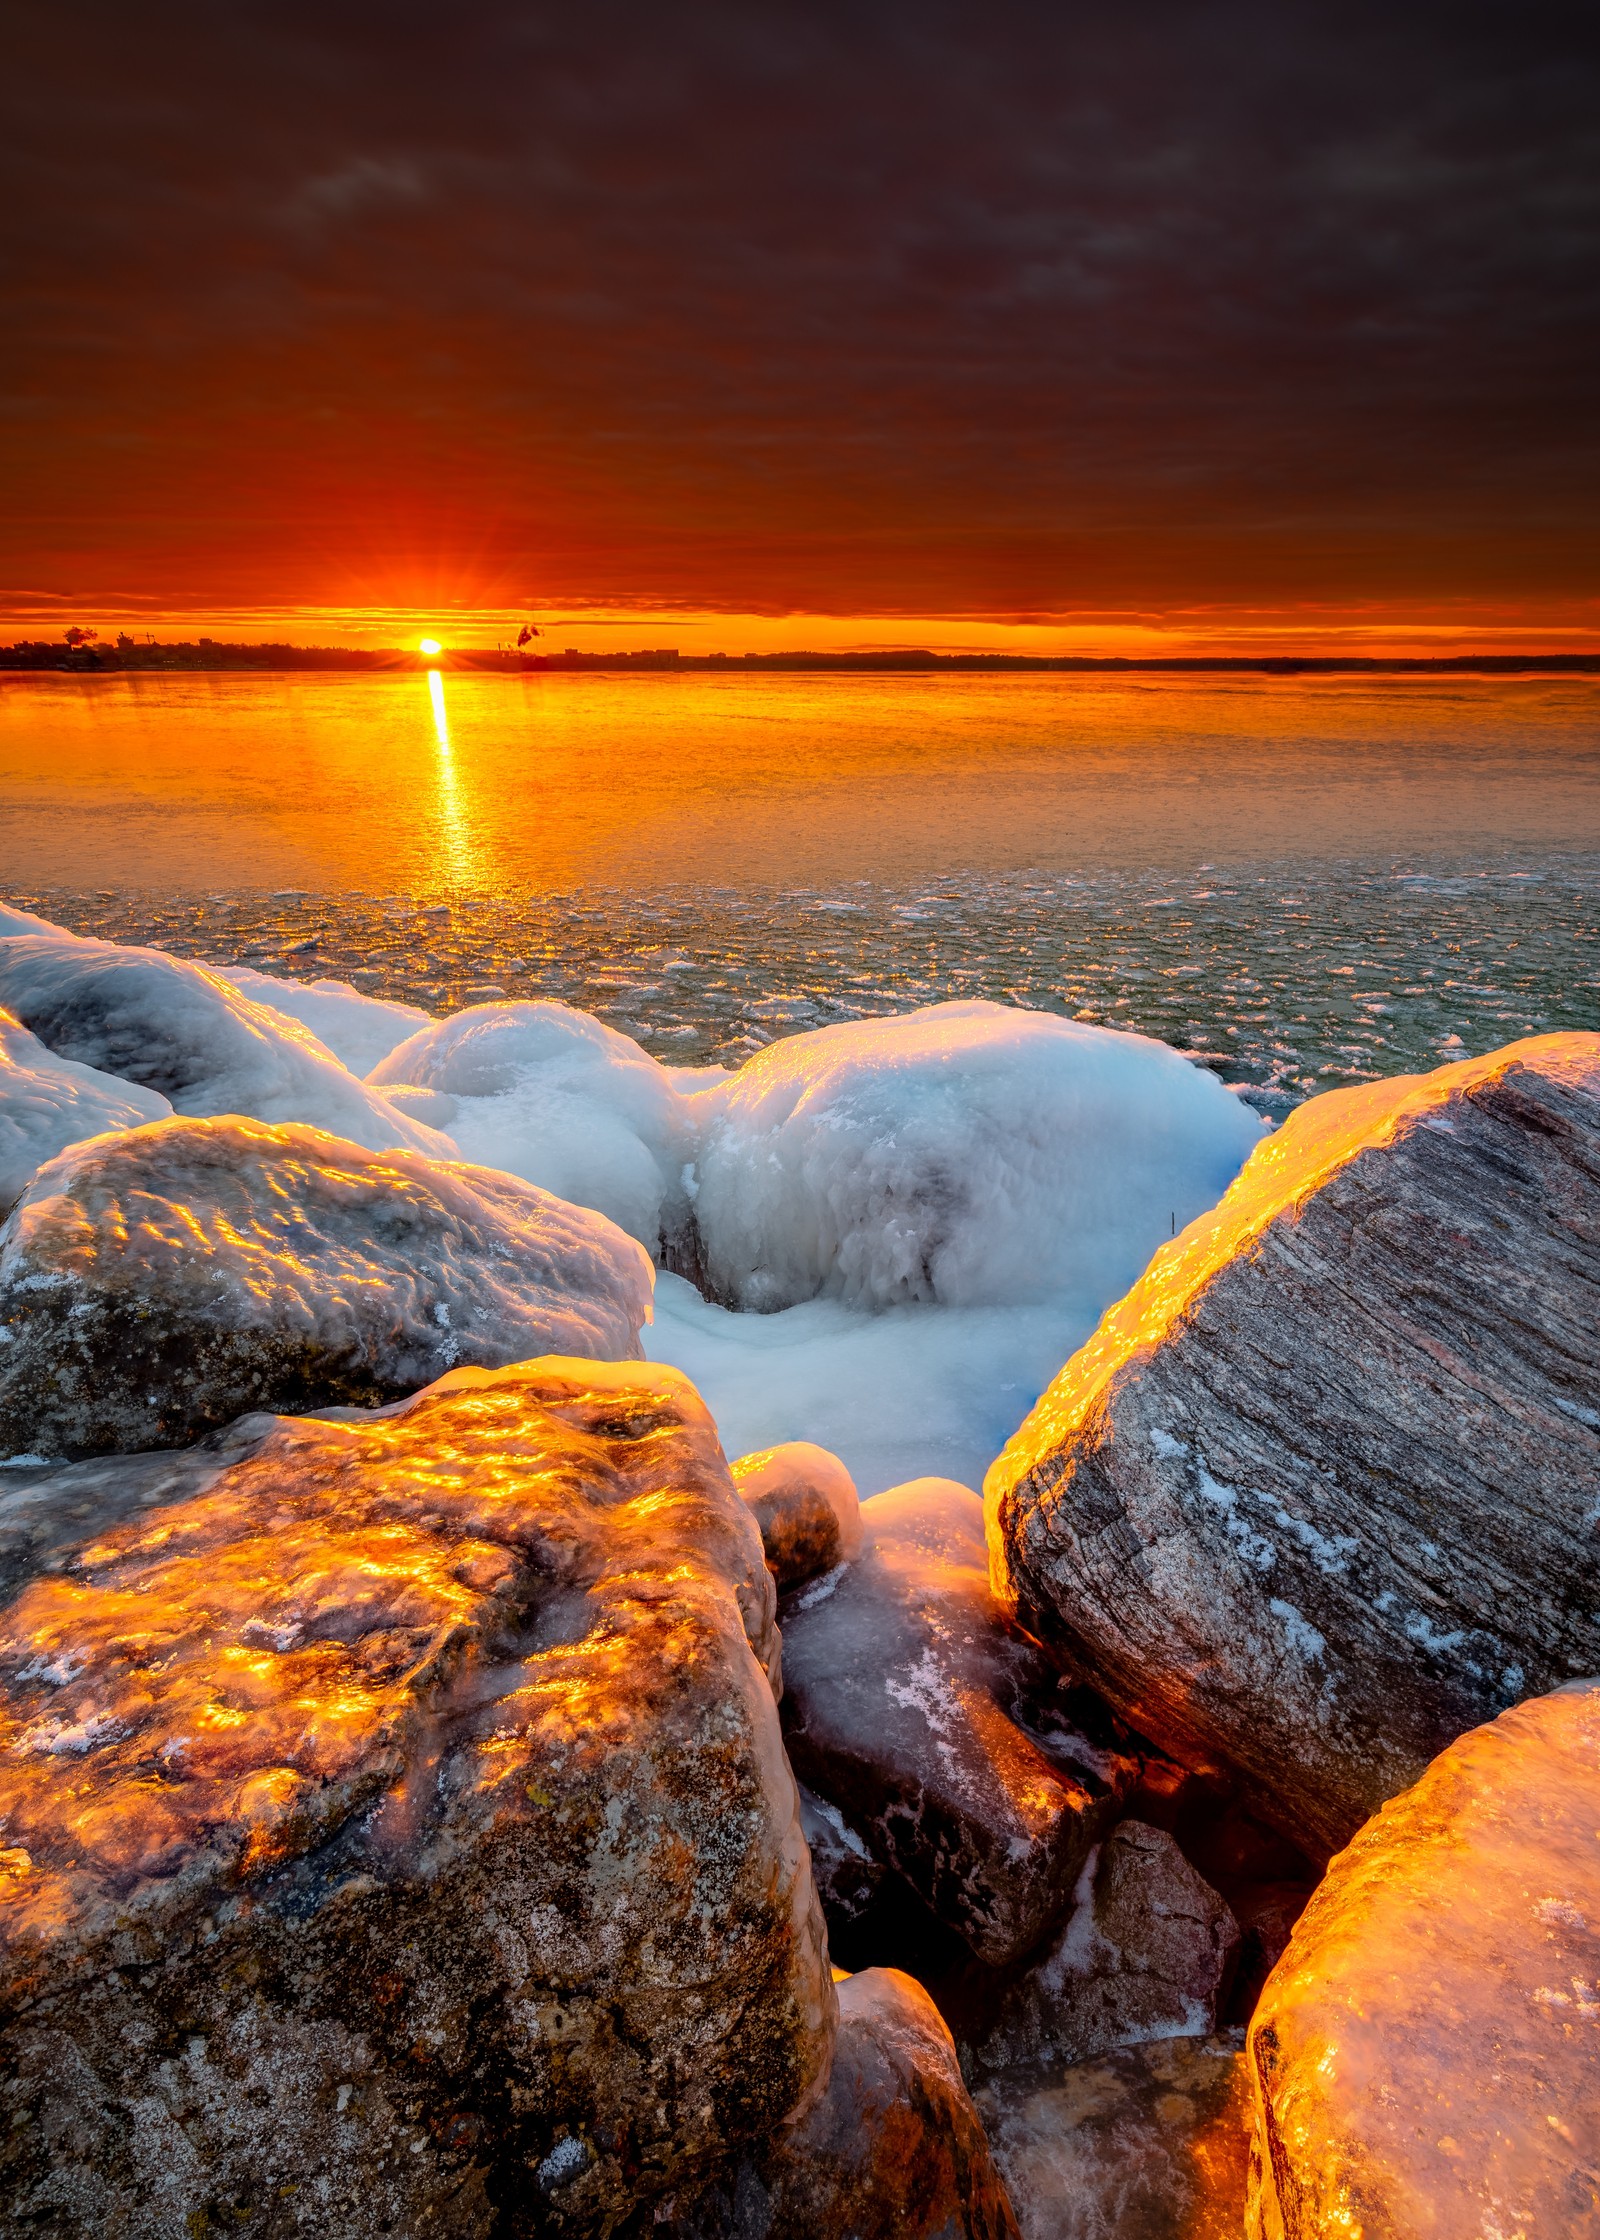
(1287, 979)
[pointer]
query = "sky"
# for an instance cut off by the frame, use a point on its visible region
(893, 321)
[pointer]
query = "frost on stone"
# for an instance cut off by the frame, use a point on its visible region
(1318, 1494)
(921, 1714)
(398, 1818)
(1426, 2054)
(804, 1500)
(183, 1031)
(552, 1095)
(969, 1154)
(359, 1030)
(159, 1283)
(47, 1102)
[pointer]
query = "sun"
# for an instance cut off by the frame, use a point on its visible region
(429, 646)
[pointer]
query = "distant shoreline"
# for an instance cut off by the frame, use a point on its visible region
(207, 657)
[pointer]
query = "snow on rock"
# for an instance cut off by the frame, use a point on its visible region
(893, 2150)
(969, 1154)
(906, 1693)
(179, 1029)
(47, 1102)
(158, 1283)
(1150, 2142)
(24, 921)
(1148, 1952)
(1320, 1492)
(804, 1500)
(401, 1825)
(359, 1030)
(1426, 2055)
(554, 1096)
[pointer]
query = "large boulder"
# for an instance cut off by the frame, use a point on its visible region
(1319, 1494)
(47, 1102)
(156, 1284)
(398, 1836)
(1426, 2055)
(910, 1705)
(185, 1032)
(1148, 1952)
(805, 1502)
(1150, 2142)
(893, 2150)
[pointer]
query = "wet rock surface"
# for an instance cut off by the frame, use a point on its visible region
(907, 1694)
(804, 1500)
(1426, 2055)
(1149, 2142)
(1147, 1952)
(1318, 1495)
(157, 1284)
(397, 1835)
(893, 2150)
(47, 1102)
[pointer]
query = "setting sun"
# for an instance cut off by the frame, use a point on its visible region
(429, 646)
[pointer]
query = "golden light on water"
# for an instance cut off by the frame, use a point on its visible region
(460, 856)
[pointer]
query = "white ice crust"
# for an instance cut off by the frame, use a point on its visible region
(552, 1095)
(47, 1102)
(359, 1030)
(181, 1030)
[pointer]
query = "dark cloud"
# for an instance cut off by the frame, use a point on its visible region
(865, 306)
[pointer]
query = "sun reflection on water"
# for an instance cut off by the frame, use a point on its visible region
(457, 847)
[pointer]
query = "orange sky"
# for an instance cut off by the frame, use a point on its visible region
(1062, 328)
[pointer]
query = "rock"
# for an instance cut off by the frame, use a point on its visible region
(1147, 2143)
(156, 1284)
(1426, 2055)
(847, 1876)
(805, 1502)
(398, 1835)
(47, 1102)
(1318, 1495)
(1148, 1952)
(893, 2151)
(359, 1030)
(906, 1695)
(174, 1027)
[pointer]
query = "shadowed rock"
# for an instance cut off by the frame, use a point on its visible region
(1319, 1494)
(1150, 2142)
(804, 1500)
(398, 1835)
(1426, 2055)
(157, 1284)
(906, 1696)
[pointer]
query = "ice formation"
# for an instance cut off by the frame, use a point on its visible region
(47, 1102)
(181, 1030)
(966, 1155)
(552, 1095)
(359, 1030)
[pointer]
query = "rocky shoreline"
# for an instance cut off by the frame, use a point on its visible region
(441, 1792)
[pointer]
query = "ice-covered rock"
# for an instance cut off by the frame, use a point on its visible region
(847, 1875)
(969, 1154)
(1146, 1953)
(47, 1102)
(906, 1692)
(893, 2151)
(179, 1029)
(24, 921)
(1320, 1493)
(1426, 2055)
(158, 1283)
(1150, 2142)
(804, 1500)
(554, 1096)
(359, 1030)
(397, 1833)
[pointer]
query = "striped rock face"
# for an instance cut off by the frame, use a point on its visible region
(1320, 1493)
(396, 1820)
(1426, 2055)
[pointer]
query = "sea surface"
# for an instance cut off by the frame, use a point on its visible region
(1303, 883)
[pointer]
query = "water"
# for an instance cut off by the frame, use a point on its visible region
(1302, 883)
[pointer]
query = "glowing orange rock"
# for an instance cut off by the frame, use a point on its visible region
(1318, 1494)
(157, 1284)
(804, 1500)
(401, 1822)
(1426, 2054)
